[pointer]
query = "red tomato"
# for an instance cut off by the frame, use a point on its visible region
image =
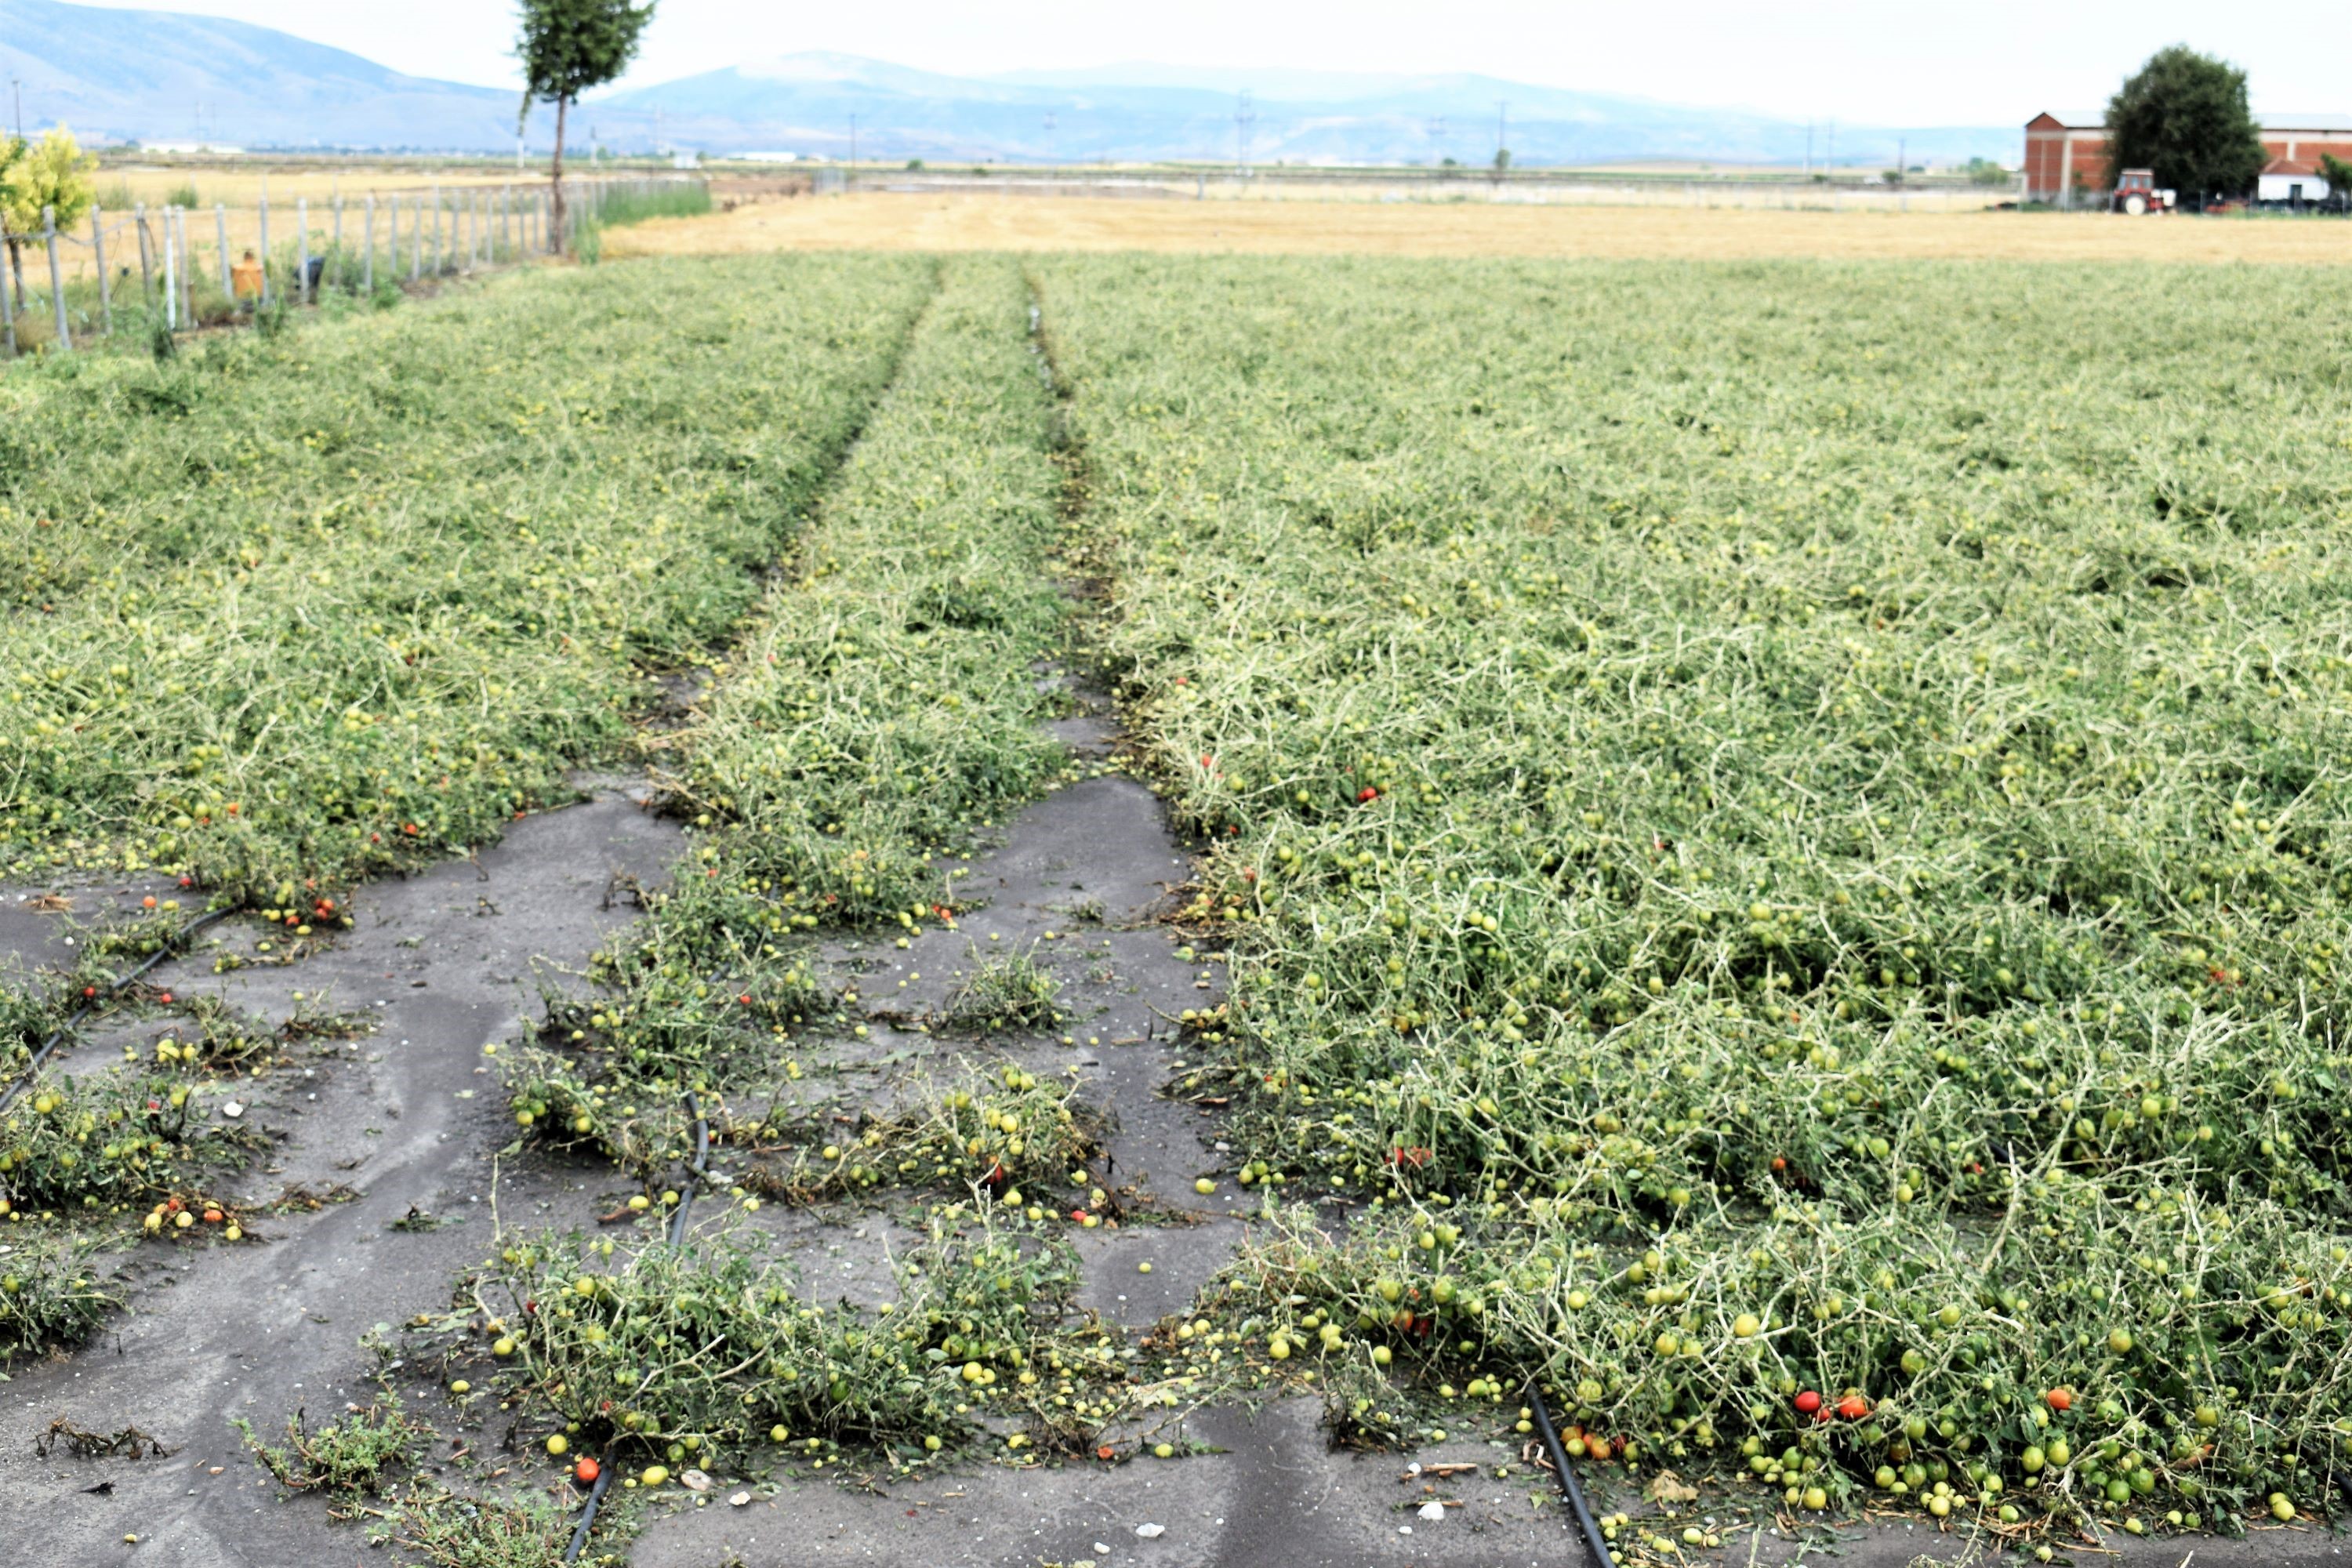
(2060, 1399)
(587, 1470)
(1808, 1402)
(1854, 1407)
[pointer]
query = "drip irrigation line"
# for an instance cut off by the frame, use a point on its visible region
(588, 1513)
(1568, 1486)
(693, 1174)
(172, 946)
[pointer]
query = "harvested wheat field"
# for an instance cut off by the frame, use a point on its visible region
(889, 221)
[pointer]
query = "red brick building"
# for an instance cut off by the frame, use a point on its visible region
(2066, 159)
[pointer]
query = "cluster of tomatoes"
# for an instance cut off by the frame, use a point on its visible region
(1851, 1407)
(175, 1214)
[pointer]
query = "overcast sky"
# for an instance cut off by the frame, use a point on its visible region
(1995, 62)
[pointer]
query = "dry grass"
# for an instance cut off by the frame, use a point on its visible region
(902, 222)
(240, 184)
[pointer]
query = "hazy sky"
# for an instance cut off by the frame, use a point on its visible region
(1994, 62)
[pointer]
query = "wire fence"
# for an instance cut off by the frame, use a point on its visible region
(176, 268)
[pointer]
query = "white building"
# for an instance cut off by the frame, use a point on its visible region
(2292, 179)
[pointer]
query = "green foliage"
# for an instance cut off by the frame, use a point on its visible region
(687, 199)
(2337, 172)
(883, 705)
(325, 606)
(1677, 776)
(109, 1140)
(1010, 990)
(622, 207)
(1502, 159)
(568, 46)
(2184, 115)
(49, 1295)
(351, 1457)
(52, 172)
(703, 1355)
(451, 1530)
(1986, 172)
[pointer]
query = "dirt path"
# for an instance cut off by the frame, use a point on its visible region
(407, 1116)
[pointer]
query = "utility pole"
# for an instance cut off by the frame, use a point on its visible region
(1502, 130)
(1809, 149)
(1245, 117)
(853, 151)
(1050, 157)
(1437, 140)
(1830, 157)
(17, 88)
(1902, 155)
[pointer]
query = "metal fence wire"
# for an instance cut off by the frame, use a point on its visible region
(188, 277)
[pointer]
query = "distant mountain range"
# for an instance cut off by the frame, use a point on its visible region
(161, 76)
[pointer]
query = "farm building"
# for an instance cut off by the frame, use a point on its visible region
(2292, 179)
(2066, 157)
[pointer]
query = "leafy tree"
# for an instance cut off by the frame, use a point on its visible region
(568, 46)
(1985, 171)
(2338, 175)
(12, 152)
(1502, 159)
(2184, 115)
(53, 173)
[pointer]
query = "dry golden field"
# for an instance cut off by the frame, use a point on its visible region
(882, 221)
(241, 184)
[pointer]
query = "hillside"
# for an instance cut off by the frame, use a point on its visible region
(168, 75)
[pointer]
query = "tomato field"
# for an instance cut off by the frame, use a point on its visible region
(1777, 833)
(1795, 835)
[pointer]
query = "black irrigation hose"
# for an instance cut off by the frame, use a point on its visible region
(1568, 1486)
(172, 946)
(693, 1174)
(588, 1514)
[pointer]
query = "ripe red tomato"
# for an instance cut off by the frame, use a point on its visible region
(1854, 1407)
(1808, 1403)
(587, 1470)
(2060, 1399)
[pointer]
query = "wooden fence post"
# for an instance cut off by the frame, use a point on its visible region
(416, 239)
(170, 273)
(302, 250)
(146, 257)
(265, 248)
(220, 237)
(8, 302)
(98, 248)
(343, 271)
(439, 260)
(367, 262)
(56, 279)
(187, 269)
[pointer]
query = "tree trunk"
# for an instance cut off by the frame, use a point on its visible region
(562, 104)
(16, 258)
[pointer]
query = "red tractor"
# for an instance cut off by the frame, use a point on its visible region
(2135, 193)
